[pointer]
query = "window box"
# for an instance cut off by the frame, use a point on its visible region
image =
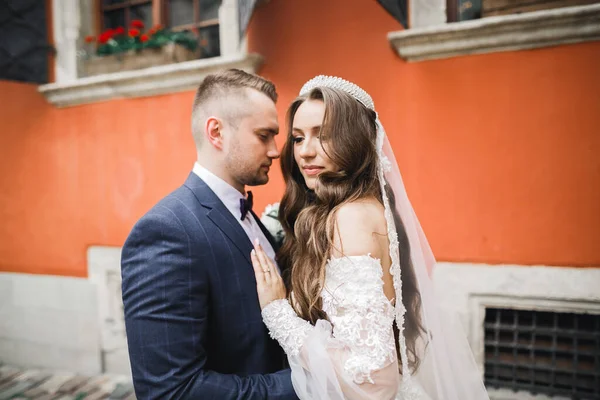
(132, 60)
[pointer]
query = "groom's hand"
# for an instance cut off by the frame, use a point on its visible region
(269, 284)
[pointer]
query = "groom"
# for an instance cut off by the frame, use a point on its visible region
(192, 316)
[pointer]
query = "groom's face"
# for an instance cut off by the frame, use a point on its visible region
(251, 147)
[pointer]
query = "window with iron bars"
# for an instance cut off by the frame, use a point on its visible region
(549, 353)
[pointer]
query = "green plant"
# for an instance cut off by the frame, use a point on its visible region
(115, 41)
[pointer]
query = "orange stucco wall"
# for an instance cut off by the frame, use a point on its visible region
(499, 152)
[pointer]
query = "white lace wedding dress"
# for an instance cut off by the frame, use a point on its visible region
(354, 359)
(354, 356)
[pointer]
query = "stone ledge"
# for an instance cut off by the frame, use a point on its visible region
(503, 33)
(144, 82)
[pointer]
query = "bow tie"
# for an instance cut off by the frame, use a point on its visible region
(246, 205)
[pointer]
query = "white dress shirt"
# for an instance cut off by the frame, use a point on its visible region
(231, 199)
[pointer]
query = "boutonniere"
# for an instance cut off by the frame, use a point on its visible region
(270, 221)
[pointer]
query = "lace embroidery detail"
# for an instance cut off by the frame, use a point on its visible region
(394, 247)
(361, 314)
(285, 326)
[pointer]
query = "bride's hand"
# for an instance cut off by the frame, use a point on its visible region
(269, 284)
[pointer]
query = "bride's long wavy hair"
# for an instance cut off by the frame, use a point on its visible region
(308, 217)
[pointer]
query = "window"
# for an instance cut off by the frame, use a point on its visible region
(550, 353)
(199, 16)
(117, 13)
(463, 10)
(86, 19)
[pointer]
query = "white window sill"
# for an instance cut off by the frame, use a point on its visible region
(503, 33)
(144, 82)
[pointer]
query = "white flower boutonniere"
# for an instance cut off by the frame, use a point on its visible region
(270, 221)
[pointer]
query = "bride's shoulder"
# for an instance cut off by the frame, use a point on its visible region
(359, 227)
(365, 213)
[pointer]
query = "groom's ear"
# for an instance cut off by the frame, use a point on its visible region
(213, 131)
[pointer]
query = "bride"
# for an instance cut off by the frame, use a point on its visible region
(360, 320)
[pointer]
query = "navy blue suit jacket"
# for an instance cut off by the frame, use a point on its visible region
(192, 315)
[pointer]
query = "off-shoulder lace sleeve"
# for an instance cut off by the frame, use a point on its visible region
(285, 326)
(358, 342)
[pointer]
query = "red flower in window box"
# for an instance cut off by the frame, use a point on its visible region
(136, 23)
(89, 39)
(133, 40)
(105, 36)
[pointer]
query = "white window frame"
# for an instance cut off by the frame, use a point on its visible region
(430, 37)
(70, 24)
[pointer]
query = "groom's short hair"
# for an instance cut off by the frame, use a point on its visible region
(216, 91)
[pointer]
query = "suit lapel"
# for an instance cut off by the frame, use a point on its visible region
(274, 244)
(232, 229)
(220, 215)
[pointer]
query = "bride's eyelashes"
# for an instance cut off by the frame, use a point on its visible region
(299, 139)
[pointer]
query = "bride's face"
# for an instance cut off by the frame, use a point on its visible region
(309, 147)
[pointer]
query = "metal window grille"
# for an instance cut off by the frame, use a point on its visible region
(549, 353)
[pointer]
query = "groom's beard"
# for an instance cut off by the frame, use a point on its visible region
(247, 168)
(258, 179)
(248, 175)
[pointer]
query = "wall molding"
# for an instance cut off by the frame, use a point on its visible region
(501, 33)
(144, 82)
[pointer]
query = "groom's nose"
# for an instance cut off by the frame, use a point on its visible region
(273, 152)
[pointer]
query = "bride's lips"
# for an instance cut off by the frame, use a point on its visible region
(312, 169)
